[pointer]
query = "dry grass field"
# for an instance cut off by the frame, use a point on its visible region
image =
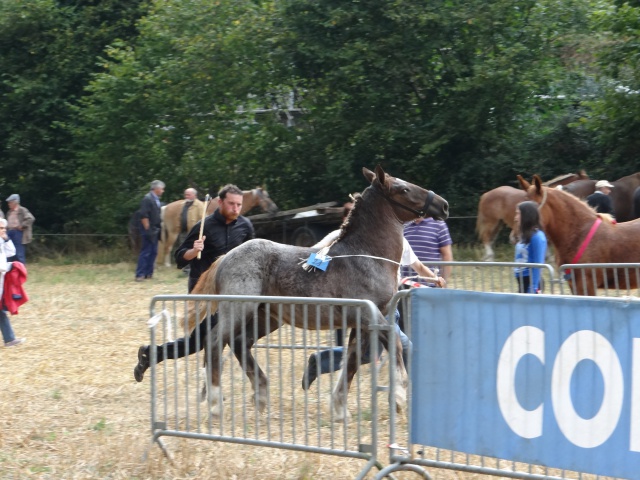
(71, 408)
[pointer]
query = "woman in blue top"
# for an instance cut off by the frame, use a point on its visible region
(531, 247)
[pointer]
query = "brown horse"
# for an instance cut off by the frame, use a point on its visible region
(498, 206)
(171, 213)
(621, 195)
(567, 221)
(364, 266)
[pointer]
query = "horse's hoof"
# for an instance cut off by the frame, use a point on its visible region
(340, 414)
(261, 404)
(216, 411)
(401, 400)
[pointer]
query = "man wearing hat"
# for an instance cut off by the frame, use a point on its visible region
(600, 199)
(19, 225)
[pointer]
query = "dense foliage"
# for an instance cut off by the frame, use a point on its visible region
(48, 52)
(100, 97)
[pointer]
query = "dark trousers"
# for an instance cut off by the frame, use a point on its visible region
(16, 237)
(196, 341)
(329, 360)
(524, 282)
(148, 254)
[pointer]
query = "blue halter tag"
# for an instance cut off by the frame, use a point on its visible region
(318, 261)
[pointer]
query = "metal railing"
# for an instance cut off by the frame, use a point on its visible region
(290, 417)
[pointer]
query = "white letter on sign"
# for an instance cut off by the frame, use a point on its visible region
(587, 345)
(523, 341)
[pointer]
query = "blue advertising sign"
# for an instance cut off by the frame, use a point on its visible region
(547, 380)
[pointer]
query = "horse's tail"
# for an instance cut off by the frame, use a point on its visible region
(206, 286)
(164, 236)
(483, 229)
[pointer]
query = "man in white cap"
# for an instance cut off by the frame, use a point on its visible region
(20, 221)
(600, 199)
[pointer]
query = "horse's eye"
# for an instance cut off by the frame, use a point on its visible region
(405, 190)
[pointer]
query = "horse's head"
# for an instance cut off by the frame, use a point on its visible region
(552, 202)
(536, 191)
(265, 202)
(409, 201)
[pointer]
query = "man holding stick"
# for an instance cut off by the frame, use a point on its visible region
(213, 236)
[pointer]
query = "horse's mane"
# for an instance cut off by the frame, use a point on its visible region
(607, 218)
(604, 216)
(346, 224)
(559, 178)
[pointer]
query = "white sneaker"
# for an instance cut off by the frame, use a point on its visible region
(15, 342)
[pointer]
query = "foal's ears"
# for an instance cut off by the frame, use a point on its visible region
(371, 176)
(537, 181)
(523, 183)
(368, 174)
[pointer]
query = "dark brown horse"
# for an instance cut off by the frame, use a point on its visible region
(567, 221)
(497, 207)
(365, 264)
(621, 195)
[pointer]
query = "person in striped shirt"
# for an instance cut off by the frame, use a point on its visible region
(430, 241)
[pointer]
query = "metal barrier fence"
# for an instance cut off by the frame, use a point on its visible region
(493, 276)
(297, 419)
(292, 418)
(519, 386)
(603, 279)
(595, 279)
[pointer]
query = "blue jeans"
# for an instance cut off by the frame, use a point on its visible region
(324, 358)
(5, 327)
(16, 237)
(148, 254)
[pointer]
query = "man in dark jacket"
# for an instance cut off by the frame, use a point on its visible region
(149, 226)
(223, 230)
(600, 199)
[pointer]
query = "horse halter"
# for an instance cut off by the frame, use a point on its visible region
(544, 199)
(419, 213)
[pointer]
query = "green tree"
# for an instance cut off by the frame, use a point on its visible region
(179, 105)
(48, 51)
(435, 91)
(614, 116)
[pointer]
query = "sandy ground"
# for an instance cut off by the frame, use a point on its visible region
(71, 408)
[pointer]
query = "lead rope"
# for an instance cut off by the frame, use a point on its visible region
(321, 256)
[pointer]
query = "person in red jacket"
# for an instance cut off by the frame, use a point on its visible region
(7, 249)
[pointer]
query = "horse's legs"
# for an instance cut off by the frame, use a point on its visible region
(213, 363)
(402, 379)
(221, 335)
(350, 367)
(243, 342)
(172, 236)
(489, 233)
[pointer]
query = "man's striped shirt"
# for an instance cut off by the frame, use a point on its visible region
(426, 239)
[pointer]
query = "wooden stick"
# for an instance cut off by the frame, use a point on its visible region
(207, 199)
